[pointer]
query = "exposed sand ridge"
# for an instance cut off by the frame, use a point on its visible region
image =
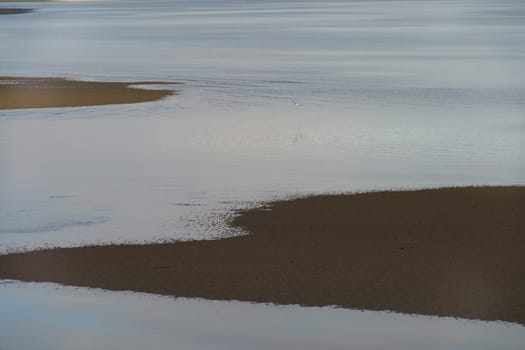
(22, 92)
(449, 252)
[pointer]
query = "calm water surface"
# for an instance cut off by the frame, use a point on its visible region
(394, 94)
(63, 318)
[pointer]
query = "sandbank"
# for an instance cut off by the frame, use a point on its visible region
(448, 252)
(17, 92)
(14, 11)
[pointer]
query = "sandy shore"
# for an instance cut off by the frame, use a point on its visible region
(14, 11)
(18, 93)
(450, 252)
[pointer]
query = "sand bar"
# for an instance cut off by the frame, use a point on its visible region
(14, 11)
(17, 92)
(449, 252)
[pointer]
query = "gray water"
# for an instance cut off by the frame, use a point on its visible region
(394, 94)
(48, 317)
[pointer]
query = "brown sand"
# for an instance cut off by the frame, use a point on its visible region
(456, 251)
(14, 11)
(18, 92)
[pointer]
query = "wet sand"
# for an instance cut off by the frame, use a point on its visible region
(449, 252)
(14, 11)
(16, 93)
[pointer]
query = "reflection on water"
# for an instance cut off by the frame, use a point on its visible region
(79, 318)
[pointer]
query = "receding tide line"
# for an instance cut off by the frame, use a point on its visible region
(18, 92)
(449, 252)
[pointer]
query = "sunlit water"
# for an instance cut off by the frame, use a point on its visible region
(394, 94)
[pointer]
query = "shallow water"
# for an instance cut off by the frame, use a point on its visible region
(394, 94)
(81, 318)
